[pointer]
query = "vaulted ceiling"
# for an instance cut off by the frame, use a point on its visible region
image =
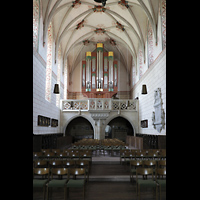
(79, 25)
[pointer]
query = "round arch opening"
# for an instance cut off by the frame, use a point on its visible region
(119, 128)
(79, 128)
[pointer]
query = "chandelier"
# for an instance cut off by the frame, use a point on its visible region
(101, 1)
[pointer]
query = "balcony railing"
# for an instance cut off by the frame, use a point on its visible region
(99, 104)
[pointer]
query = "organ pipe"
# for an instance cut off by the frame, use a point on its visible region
(88, 71)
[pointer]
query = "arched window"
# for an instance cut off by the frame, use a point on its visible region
(36, 16)
(49, 63)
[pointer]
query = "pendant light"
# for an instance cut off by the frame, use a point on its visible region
(56, 89)
(144, 89)
(101, 1)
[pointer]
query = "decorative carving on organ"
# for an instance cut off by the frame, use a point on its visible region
(99, 74)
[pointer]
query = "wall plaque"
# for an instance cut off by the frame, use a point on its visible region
(144, 123)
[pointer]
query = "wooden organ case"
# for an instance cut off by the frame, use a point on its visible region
(99, 74)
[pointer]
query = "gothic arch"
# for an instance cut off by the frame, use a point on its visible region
(109, 119)
(76, 116)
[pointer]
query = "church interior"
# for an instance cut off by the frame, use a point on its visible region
(99, 99)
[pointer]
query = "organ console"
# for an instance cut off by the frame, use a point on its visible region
(99, 74)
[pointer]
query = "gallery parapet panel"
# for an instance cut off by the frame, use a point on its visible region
(106, 104)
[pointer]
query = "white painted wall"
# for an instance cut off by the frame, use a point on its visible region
(154, 77)
(40, 105)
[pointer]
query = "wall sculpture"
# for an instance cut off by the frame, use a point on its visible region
(158, 117)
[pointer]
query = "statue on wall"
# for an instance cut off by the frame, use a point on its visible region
(158, 117)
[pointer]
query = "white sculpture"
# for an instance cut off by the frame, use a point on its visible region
(158, 117)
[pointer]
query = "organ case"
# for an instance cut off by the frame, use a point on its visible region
(99, 74)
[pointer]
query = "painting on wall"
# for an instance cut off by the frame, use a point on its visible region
(46, 121)
(43, 121)
(54, 122)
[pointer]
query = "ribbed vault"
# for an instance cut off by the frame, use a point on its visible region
(79, 25)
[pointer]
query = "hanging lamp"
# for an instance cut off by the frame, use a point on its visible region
(101, 1)
(56, 89)
(144, 89)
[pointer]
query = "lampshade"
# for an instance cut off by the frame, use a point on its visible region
(56, 89)
(144, 89)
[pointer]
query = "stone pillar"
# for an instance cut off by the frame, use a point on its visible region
(99, 118)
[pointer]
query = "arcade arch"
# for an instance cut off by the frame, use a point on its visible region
(79, 128)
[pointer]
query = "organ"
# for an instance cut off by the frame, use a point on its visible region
(99, 74)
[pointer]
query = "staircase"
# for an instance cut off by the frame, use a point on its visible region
(108, 168)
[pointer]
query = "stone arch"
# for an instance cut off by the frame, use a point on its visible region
(109, 119)
(90, 120)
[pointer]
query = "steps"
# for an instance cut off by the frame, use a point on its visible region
(108, 168)
(110, 178)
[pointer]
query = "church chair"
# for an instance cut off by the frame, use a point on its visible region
(37, 154)
(152, 155)
(74, 183)
(41, 182)
(133, 165)
(128, 156)
(62, 155)
(45, 151)
(140, 155)
(86, 155)
(69, 163)
(107, 148)
(56, 151)
(122, 153)
(150, 164)
(40, 163)
(57, 183)
(134, 151)
(67, 151)
(161, 163)
(49, 154)
(162, 154)
(55, 163)
(115, 148)
(74, 155)
(93, 149)
(145, 182)
(84, 164)
(161, 182)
